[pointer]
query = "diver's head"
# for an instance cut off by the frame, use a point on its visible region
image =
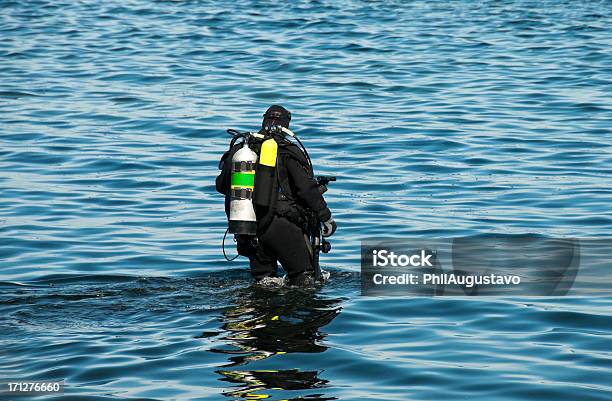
(276, 115)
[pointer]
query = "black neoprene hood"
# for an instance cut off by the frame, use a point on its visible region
(276, 115)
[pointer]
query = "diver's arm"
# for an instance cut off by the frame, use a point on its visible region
(308, 189)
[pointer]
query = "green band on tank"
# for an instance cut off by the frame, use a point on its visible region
(243, 179)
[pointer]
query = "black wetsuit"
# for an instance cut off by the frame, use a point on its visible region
(281, 227)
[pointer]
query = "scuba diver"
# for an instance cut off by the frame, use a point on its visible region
(273, 201)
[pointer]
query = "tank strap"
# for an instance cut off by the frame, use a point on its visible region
(242, 193)
(244, 166)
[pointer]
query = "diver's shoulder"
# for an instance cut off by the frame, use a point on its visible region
(288, 147)
(292, 150)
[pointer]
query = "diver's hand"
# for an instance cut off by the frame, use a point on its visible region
(329, 228)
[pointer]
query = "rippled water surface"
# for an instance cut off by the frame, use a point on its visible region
(438, 118)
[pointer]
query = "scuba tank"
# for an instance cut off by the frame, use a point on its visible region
(265, 173)
(242, 219)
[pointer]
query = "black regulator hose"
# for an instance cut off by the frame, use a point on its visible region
(223, 247)
(305, 153)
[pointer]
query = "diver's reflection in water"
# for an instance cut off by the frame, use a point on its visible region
(267, 322)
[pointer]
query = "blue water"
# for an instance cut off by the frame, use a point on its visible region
(440, 119)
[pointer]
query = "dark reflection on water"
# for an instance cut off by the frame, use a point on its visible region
(264, 323)
(254, 383)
